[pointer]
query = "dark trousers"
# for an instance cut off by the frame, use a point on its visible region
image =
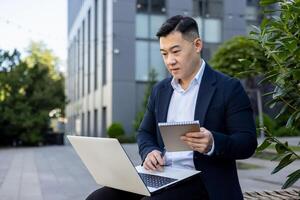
(192, 189)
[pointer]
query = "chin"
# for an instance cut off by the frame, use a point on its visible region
(176, 76)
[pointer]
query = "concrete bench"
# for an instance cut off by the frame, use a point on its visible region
(288, 194)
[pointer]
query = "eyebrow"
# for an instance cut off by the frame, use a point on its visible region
(173, 47)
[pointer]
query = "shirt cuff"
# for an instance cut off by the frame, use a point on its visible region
(211, 150)
(168, 159)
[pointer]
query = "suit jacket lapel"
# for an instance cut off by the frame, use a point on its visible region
(164, 98)
(206, 91)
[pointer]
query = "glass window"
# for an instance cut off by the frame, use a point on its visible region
(104, 121)
(157, 61)
(150, 16)
(141, 60)
(200, 7)
(104, 38)
(83, 58)
(95, 123)
(157, 6)
(155, 22)
(88, 126)
(95, 45)
(89, 52)
(212, 30)
(141, 26)
(82, 124)
(142, 6)
(207, 8)
(200, 25)
(251, 13)
(252, 2)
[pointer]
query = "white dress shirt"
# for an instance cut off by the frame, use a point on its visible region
(182, 108)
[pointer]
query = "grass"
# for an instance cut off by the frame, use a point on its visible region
(245, 166)
(265, 155)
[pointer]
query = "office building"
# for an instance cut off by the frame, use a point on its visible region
(112, 46)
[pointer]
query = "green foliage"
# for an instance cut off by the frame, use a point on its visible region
(127, 138)
(277, 128)
(151, 82)
(284, 131)
(279, 37)
(28, 92)
(269, 123)
(115, 130)
(239, 57)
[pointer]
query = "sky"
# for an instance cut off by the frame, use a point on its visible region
(22, 21)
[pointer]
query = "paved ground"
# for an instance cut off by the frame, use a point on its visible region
(56, 173)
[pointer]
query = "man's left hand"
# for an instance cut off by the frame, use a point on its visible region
(199, 141)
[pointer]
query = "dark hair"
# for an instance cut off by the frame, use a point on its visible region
(185, 25)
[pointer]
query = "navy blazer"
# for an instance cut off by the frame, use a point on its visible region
(222, 107)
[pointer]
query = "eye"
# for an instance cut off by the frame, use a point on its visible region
(176, 51)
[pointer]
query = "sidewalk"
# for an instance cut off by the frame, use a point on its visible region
(56, 173)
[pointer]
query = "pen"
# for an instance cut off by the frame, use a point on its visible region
(163, 152)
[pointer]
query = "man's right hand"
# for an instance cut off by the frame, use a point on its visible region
(154, 161)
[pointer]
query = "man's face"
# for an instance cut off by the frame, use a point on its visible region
(181, 57)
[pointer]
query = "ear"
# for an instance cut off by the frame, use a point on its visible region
(198, 45)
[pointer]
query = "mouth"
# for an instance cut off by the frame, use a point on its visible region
(174, 70)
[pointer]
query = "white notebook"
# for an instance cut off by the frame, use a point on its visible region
(172, 131)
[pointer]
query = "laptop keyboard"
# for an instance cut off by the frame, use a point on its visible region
(155, 181)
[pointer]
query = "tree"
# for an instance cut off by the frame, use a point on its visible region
(151, 82)
(279, 37)
(7, 63)
(31, 88)
(240, 57)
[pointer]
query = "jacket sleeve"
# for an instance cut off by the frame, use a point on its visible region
(147, 136)
(239, 141)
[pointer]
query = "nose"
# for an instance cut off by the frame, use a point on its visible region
(171, 60)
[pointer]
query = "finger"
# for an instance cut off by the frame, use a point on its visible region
(195, 146)
(202, 148)
(155, 162)
(146, 166)
(148, 162)
(150, 165)
(193, 140)
(158, 158)
(199, 149)
(195, 134)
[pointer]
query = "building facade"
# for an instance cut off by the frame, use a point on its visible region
(112, 47)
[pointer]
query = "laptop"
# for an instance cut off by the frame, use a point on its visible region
(110, 166)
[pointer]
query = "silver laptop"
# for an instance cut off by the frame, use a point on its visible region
(110, 166)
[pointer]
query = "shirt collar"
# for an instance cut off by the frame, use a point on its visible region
(197, 79)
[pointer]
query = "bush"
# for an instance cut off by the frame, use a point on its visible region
(115, 130)
(269, 123)
(284, 131)
(127, 138)
(32, 138)
(239, 57)
(277, 129)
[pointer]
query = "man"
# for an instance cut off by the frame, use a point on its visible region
(195, 92)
